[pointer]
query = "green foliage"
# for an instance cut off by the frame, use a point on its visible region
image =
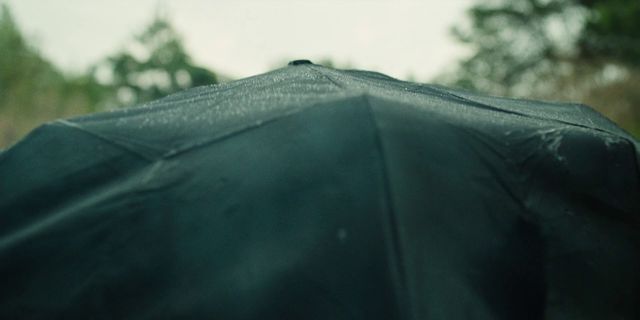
(579, 50)
(154, 65)
(32, 90)
(612, 30)
(512, 41)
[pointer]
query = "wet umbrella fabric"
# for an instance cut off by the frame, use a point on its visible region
(314, 193)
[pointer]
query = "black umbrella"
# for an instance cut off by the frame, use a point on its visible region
(314, 193)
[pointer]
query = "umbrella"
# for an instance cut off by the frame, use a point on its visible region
(314, 193)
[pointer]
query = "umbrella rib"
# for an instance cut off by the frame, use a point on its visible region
(456, 97)
(486, 106)
(398, 264)
(119, 145)
(239, 130)
(225, 135)
(324, 75)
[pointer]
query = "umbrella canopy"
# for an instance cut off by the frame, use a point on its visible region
(314, 193)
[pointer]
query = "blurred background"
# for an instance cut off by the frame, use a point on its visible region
(61, 58)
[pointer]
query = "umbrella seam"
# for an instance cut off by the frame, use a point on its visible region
(70, 209)
(119, 145)
(169, 101)
(392, 216)
(486, 106)
(324, 75)
(456, 97)
(490, 107)
(255, 125)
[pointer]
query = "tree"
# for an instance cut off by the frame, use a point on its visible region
(612, 30)
(154, 65)
(579, 50)
(32, 90)
(513, 40)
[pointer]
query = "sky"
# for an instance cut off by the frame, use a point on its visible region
(241, 38)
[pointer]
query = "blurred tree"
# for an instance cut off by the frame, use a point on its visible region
(612, 38)
(154, 65)
(612, 30)
(581, 50)
(513, 41)
(32, 90)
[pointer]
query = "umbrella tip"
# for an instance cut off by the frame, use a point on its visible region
(299, 62)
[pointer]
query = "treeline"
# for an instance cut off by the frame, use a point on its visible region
(33, 90)
(567, 50)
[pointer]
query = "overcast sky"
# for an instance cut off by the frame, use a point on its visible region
(243, 37)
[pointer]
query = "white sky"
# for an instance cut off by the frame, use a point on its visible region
(246, 37)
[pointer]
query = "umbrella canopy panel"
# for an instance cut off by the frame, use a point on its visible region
(316, 193)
